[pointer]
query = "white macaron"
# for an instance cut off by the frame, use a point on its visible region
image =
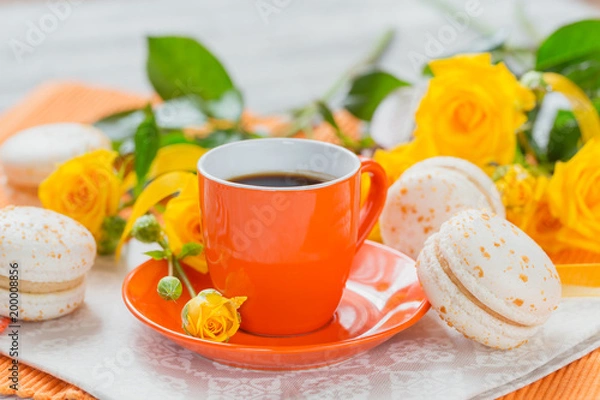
(488, 279)
(30, 156)
(18, 195)
(428, 194)
(47, 254)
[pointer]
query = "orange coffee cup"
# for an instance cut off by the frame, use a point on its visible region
(288, 249)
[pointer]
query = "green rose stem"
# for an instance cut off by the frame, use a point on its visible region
(146, 229)
(174, 265)
(179, 270)
(306, 114)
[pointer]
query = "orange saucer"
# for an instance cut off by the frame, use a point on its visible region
(382, 297)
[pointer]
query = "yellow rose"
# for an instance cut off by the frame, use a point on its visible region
(402, 157)
(525, 198)
(472, 109)
(544, 228)
(211, 316)
(85, 188)
(182, 224)
(538, 221)
(574, 197)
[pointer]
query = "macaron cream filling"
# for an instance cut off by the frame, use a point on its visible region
(42, 287)
(446, 268)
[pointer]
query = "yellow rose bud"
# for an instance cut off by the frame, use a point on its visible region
(211, 316)
(472, 109)
(574, 198)
(182, 224)
(85, 188)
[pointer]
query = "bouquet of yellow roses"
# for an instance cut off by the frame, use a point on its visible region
(477, 111)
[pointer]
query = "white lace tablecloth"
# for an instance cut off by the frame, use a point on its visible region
(107, 352)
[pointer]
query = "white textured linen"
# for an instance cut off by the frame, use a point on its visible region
(107, 352)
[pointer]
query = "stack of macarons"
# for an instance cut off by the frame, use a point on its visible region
(483, 275)
(44, 257)
(30, 156)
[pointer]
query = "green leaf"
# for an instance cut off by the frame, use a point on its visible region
(330, 119)
(190, 249)
(367, 142)
(568, 45)
(564, 138)
(171, 115)
(168, 138)
(586, 75)
(179, 66)
(368, 90)
(147, 143)
(427, 72)
(120, 126)
(156, 254)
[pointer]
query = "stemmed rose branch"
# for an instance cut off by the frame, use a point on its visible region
(146, 229)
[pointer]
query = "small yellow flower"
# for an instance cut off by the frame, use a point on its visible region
(182, 224)
(85, 188)
(525, 198)
(574, 198)
(517, 187)
(211, 316)
(472, 109)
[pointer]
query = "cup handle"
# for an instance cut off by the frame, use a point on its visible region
(370, 210)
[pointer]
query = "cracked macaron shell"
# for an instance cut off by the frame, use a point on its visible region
(48, 246)
(428, 194)
(501, 266)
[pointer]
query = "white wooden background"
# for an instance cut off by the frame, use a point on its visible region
(280, 60)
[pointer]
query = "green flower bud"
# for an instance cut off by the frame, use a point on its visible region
(533, 80)
(110, 233)
(146, 229)
(169, 288)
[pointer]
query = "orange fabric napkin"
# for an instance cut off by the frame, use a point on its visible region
(72, 102)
